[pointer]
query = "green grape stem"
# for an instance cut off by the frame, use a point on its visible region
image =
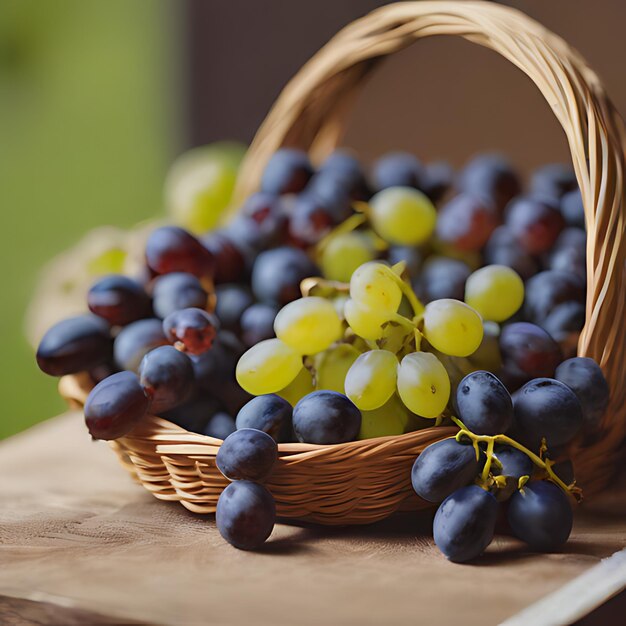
(347, 226)
(409, 294)
(491, 440)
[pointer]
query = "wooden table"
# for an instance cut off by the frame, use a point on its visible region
(80, 543)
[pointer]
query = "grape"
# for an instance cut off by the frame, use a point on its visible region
(232, 301)
(398, 169)
(115, 405)
(546, 408)
(374, 285)
(172, 249)
(423, 384)
(409, 254)
(269, 413)
(402, 215)
(572, 208)
(515, 463)
(343, 254)
(192, 329)
(245, 514)
(299, 387)
(465, 522)
(326, 417)
(331, 191)
(166, 376)
(496, 292)
(309, 325)
(391, 419)
(262, 223)
(194, 414)
(571, 237)
(483, 404)
(371, 380)
(569, 259)
(257, 323)
(220, 426)
(277, 274)
(74, 345)
(565, 323)
(534, 224)
(503, 249)
(310, 219)
(466, 222)
(546, 290)
(540, 515)
(585, 378)
(490, 176)
(288, 171)
(487, 356)
(441, 278)
(452, 327)
(442, 468)
(332, 366)
(437, 179)
(366, 322)
(267, 367)
(119, 300)
(553, 180)
(134, 341)
(528, 351)
(175, 291)
(230, 261)
(247, 454)
(342, 165)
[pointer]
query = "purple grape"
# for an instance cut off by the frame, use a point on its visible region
(134, 341)
(411, 255)
(247, 454)
(257, 323)
(515, 463)
(554, 180)
(503, 249)
(115, 405)
(74, 345)
(565, 322)
(344, 167)
(193, 329)
(442, 277)
(288, 171)
(546, 290)
(398, 169)
(119, 300)
(534, 223)
(232, 301)
(175, 291)
(572, 208)
(220, 426)
(269, 413)
(194, 414)
(437, 180)
(310, 219)
(172, 249)
(230, 261)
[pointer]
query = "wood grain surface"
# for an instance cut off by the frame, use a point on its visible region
(89, 539)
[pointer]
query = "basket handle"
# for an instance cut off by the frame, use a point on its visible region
(311, 110)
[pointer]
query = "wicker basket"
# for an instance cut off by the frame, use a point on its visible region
(365, 481)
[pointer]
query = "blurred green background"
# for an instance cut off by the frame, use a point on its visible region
(86, 126)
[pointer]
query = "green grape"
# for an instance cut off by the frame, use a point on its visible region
(495, 291)
(333, 365)
(403, 215)
(487, 356)
(371, 380)
(374, 285)
(423, 384)
(300, 386)
(389, 419)
(452, 327)
(308, 325)
(364, 321)
(267, 367)
(200, 184)
(343, 254)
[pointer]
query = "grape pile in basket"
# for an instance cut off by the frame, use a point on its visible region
(351, 307)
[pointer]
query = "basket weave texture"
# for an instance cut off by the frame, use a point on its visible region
(365, 481)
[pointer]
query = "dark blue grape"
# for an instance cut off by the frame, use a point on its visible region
(326, 417)
(398, 169)
(503, 249)
(74, 345)
(528, 351)
(135, 340)
(277, 274)
(220, 426)
(115, 405)
(514, 462)
(257, 323)
(443, 467)
(411, 255)
(166, 376)
(310, 219)
(565, 322)
(194, 414)
(569, 259)
(172, 249)
(491, 177)
(232, 301)
(247, 454)
(585, 378)
(465, 522)
(546, 290)
(540, 515)
(193, 329)
(245, 514)
(437, 180)
(483, 404)
(554, 180)
(118, 299)
(572, 237)
(175, 291)
(332, 190)
(269, 413)
(572, 208)
(534, 222)
(342, 165)
(288, 171)
(230, 260)
(262, 223)
(545, 407)
(442, 277)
